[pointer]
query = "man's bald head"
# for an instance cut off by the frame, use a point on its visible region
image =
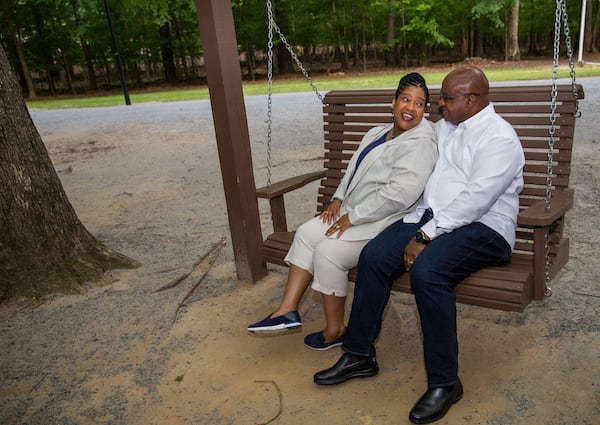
(464, 93)
(470, 79)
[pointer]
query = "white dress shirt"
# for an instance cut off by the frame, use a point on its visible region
(477, 178)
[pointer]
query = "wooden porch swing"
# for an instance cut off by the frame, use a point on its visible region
(544, 118)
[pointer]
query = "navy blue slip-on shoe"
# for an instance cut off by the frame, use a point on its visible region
(316, 341)
(289, 320)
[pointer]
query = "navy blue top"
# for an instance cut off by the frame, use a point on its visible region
(364, 153)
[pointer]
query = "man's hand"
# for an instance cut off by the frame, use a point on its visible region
(411, 252)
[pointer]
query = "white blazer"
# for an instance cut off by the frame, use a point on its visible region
(388, 182)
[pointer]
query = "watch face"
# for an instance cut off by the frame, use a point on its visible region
(420, 237)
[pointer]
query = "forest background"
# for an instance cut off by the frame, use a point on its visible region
(63, 47)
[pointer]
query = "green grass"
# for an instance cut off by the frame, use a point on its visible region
(299, 84)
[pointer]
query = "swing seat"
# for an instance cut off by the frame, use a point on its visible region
(349, 114)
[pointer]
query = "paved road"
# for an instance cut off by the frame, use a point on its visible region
(296, 116)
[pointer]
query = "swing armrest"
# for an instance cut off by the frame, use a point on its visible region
(287, 185)
(536, 215)
(275, 192)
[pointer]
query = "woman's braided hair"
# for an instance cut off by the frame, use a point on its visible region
(413, 79)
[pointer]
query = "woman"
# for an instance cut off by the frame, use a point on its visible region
(384, 180)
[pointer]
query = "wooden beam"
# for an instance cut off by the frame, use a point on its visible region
(215, 19)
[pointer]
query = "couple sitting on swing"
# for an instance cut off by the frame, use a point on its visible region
(438, 201)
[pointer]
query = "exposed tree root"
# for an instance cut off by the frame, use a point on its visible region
(182, 277)
(207, 260)
(280, 401)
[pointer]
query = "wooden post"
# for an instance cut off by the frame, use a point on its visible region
(215, 19)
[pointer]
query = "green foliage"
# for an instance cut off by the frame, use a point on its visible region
(55, 33)
(424, 28)
(250, 17)
(490, 9)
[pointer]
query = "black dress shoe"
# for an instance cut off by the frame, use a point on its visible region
(347, 367)
(435, 403)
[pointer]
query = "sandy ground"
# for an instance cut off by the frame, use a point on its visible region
(145, 179)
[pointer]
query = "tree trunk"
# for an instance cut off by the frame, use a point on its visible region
(43, 246)
(166, 49)
(89, 64)
(181, 47)
(345, 45)
(513, 52)
(85, 47)
(464, 40)
(250, 65)
(364, 41)
(595, 31)
(19, 49)
(284, 58)
(533, 48)
(107, 72)
(68, 71)
(587, 31)
(134, 70)
(472, 38)
(390, 36)
(355, 40)
(373, 42)
(404, 41)
(479, 37)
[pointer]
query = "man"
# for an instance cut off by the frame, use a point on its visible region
(465, 221)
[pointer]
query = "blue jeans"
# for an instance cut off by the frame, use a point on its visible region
(442, 265)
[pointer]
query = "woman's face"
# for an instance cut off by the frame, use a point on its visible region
(408, 109)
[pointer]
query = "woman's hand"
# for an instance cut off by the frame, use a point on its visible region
(332, 212)
(339, 226)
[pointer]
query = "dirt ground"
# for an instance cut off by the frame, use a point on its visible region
(145, 179)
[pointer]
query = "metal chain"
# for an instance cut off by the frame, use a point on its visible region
(560, 14)
(269, 91)
(273, 27)
(554, 96)
(551, 140)
(570, 55)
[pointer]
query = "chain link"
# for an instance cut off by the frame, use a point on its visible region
(547, 289)
(273, 27)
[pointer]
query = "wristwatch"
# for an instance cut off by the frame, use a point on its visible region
(420, 237)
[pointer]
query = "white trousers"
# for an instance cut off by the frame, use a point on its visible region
(328, 260)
